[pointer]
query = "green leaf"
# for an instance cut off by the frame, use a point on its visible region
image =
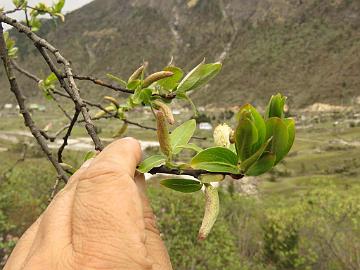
(133, 84)
(246, 164)
(275, 108)
(277, 129)
(58, 6)
(246, 135)
(116, 79)
(264, 164)
(199, 76)
(216, 159)
(290, 124)
(151, 162)
(146, 95)
(170, 83)
(89, 154)
(182, 185)
(190, 146)
(258, 121)
(182, 135)
(51, 79)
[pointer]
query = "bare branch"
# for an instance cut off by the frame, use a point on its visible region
(190, 172)
(67, 135)
(23, 109)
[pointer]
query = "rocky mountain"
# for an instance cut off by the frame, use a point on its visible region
(306, 49)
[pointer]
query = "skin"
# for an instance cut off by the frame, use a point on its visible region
(100, 220)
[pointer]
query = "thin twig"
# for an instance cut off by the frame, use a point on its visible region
(14, 87)
(67, 135)
(69, 85)
(190, 172)
(37, 80)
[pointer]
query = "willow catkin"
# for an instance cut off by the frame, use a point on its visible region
(211, 211)
(166, 110)
(155, 77)
(137, 73)
(163, 133)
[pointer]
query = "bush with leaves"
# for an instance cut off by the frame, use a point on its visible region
(254, 146)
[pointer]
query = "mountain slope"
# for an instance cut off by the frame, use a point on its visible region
(309, 50)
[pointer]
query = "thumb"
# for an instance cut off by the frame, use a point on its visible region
(107, 222)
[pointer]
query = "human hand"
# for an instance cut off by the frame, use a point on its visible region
(100, 220)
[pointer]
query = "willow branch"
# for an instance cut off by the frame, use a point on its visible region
(14, 87)
(37, 80)
(190, 172)
(69, 84)
(68, 133)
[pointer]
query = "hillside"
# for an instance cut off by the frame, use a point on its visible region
(309, 50)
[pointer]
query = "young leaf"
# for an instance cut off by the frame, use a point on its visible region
(151, 162)
(190, 146)
(216, 159)
(170, 83)
(264, 164)
(182, 185)
(275, 108)
(145, 95)
(89, 154)
(199, 76)
(246, 135)
(51, 79)
(133, 84)
(276, 128)
(290, 124)
(116, 79)
(258, 121)
(182, 135)
(246, 164)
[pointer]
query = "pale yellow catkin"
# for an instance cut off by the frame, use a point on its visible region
(163, 133)
(155, 77)
(211, 211)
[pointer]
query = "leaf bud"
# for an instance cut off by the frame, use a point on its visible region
(275, 108)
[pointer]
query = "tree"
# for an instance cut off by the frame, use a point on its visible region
(256, 145)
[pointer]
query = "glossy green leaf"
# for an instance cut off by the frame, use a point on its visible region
(246, 164)
(151, 162)
(275, 108)
(246, 135)
(170, 83)
(290, 124)
(182, 135)
(182, 185)
(264, 164)
(216, 159)
(257, 120)
(277, 129)
(191, 146)
(199, 76)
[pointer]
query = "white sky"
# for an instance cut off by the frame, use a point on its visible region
(69, 6)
